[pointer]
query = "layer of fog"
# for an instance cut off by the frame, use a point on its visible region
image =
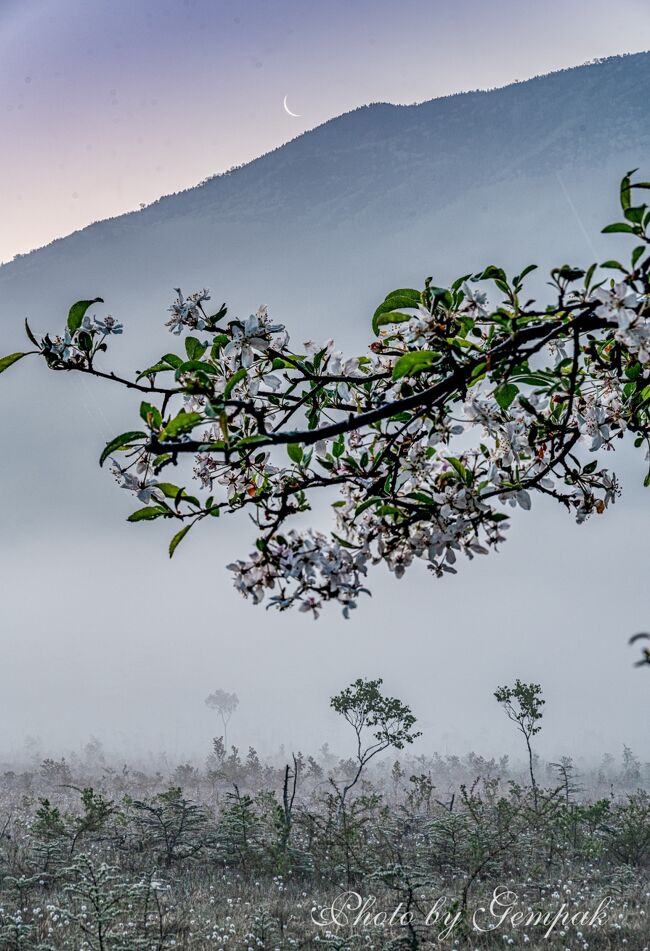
(103, 635)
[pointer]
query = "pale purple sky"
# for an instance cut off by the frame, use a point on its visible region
(105, 105)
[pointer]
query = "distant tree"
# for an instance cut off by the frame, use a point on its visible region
(55, 771)
(462, 408)
(523, 705)
(378, 722)
(94, 751)
(631, 767)
(225, 704)
(565, 769)
(219, 751)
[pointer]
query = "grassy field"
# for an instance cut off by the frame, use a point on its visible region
(235, 855)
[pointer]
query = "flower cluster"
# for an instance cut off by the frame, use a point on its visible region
(629, 311)
(318, 566)
(188, 313)
(83, 337)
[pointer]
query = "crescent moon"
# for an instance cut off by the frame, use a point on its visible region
(296, 115)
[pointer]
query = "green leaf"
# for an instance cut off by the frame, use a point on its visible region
(195, 366)
(460, 280)
(171, 491)
(182, 423)
(619, 226)
(177, 539)
(533, 379)
(409, 296)
(147, 514)
(505, 394)
(373, 500)
(493, 273)
(151, 415)
(172, 359)
(614, 265)
(31, 336)
(403, 297)
(78, 311)
(635, 215)
(413, 362)
(590, 273)
(338, 448)
(568, 273)
(168, 489)
(637, 253)
(219, 341)
(194, 348)
(233, 381)
(442, 296)
(161, 461)
(220, 314)
(156, 368)
(459, 467)
(626, 184)
(461, 342)
(85, 341)
(634, 371)
(382, 510)
(295, 452)
(527, 270)
(118, 443)
(478, 372)
(6, 362)
(391, 317)
(280, 364)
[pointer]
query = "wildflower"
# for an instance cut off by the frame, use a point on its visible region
(109, 325)
(476, 301)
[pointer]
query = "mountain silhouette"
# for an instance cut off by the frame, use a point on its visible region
(322, 227)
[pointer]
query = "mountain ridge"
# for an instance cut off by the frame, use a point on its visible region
(362, 119)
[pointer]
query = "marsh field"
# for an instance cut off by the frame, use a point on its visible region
(245, 852)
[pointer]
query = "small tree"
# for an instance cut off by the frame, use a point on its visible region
(379, 722)
(565, 769)
(176, 828)
(239, 829)
(523, 705)
(100, 901)
(225, 704)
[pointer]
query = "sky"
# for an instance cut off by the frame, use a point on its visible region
(108, 105)
(105, 106)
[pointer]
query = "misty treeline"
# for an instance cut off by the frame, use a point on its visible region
(243, 851)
